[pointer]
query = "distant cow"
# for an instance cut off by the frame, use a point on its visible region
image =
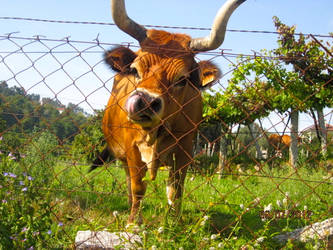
(155, 105)
(279, 141)
(278, 144)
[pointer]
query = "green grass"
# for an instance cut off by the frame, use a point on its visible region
(217, 212)
(233, 205)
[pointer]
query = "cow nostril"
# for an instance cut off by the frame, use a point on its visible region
(141, 104)
(156, 105)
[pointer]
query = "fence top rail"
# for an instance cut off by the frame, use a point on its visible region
(227, 53)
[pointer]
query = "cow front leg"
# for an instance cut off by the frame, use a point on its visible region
(137, 171)
(129, 189)
(175, 187)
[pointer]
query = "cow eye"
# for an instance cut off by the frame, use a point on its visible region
(134, 72)
(181, 82)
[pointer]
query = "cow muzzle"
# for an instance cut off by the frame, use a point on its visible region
(144, 108)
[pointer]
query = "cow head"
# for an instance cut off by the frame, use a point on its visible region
(164, 73)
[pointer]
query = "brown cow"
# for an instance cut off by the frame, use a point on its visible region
(278, 144)
(279, 141)
(155, 106)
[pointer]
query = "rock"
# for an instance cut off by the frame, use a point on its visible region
(321, 230)
(106, 240)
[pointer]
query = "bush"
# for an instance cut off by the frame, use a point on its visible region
(40, 157)
(90, 141)
(25, 209)
(10, 142)
(205, 165)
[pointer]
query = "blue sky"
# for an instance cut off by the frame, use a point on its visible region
(310, 16)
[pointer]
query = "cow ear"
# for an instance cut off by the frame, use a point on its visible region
(209, 73)
(120, 59)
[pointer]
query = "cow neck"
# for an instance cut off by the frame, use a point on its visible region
(153, 134)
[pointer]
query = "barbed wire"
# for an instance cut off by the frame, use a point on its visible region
(66, 40)
(151, 26)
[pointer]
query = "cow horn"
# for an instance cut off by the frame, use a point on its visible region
(216, 36)
(124, 23)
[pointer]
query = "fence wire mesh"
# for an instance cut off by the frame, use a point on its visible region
(252, 174)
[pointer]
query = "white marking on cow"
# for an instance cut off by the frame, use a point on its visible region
(146, 154)
(169, 195)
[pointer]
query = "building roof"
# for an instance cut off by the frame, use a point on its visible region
(312, 128)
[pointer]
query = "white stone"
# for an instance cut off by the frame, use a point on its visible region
(106, 240)
(321, 230)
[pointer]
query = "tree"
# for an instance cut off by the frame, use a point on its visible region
(283, 90)
(21, 113)
(241, 103)
(314, 65)
(245, 143)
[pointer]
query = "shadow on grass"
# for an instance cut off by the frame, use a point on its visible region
(229, 225)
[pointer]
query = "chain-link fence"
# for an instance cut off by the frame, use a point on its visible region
(254, 170)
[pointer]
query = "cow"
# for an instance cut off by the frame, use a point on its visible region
(278, 144)
(155, 106)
